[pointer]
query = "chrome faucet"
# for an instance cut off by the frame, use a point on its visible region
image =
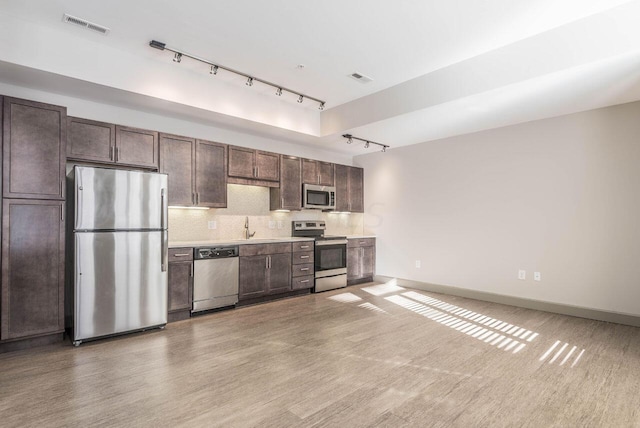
(247, 235)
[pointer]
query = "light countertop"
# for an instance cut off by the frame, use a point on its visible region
(360, 236)
(220, 242)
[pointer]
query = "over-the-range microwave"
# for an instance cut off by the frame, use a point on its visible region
(318, 197)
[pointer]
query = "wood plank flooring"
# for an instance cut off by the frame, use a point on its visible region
(369, 355)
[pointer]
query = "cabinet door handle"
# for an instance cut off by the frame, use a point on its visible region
(197, 198)
(62, 212)
(269, 262)
(257, 171)
(111, 150)
(318, 178)
(182, 255)
(117, 153)
(282, 202)
(191, 270)
(193, 198)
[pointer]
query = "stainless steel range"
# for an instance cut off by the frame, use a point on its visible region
(330, 254)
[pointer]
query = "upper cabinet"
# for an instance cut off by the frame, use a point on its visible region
(197, 171)
(248, 166)
(34, 152)
(349, 188)
(136, 147)
(317, 172)
(101, 142)
(288, 196)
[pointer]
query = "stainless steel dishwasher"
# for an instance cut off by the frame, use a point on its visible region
(215, 277)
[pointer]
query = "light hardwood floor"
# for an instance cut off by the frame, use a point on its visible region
(345, 358)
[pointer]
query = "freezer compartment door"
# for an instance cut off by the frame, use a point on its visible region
(110, 199)
(119, 283)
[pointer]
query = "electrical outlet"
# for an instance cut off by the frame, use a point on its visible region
(272, 224)
(212, 225)
(280, 224)
(537, 276)
(522, 274)
(418, 264)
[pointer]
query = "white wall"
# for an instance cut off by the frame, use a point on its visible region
(164, 123)
(559, 196)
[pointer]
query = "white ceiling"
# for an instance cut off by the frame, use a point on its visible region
(434, 63)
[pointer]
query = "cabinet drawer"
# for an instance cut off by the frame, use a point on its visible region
(303, 246)
(302, 257)
(361, 242)
(264, 249)
(302, 282)
(180, 254)
(301, 270)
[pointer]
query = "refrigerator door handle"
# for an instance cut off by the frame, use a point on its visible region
(78, 200)
(163, 207)
(164, 251)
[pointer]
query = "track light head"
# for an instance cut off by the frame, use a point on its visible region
(384, 149)
(214, 70)
(279, 92)
(321, 106)
(177, 57)
(300, 99)
(366, 145)
(249, 81)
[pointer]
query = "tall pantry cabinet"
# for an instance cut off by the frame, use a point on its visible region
(33, 186)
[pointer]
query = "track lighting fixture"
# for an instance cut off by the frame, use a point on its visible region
(250, 79)
(350, 139)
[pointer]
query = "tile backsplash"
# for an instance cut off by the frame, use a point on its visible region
(251, 201)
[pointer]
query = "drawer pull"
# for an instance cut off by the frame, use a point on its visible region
(304, 257)
(302, 247)
(363, 242)
(302, 282)
(304, 269)
(182, 255)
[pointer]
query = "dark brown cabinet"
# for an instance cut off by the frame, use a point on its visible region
(361, 260)
(302, 270)
(349, 188)
(90, 140)
(197, 171)
(34, 149)
(180, 282)
(102, 142)
(317, 172)
(247, 164)
(211, 174)
(288, 196)
(32, 268)
(264, 269)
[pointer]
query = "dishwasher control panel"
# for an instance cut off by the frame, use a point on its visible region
(203, 253)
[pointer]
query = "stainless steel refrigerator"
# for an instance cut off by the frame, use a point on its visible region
(119, 261)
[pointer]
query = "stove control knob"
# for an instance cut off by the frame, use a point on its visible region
(229, 252)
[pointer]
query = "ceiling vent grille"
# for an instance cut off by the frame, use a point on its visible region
(360, 77)
(84, 23)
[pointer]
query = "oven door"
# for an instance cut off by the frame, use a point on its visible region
(330, 258)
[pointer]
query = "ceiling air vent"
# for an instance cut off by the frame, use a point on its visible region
(84, 23)
(360, 77)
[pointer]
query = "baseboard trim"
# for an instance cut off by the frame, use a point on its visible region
(540, 305)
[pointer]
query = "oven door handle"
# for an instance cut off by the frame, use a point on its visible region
(331, 242)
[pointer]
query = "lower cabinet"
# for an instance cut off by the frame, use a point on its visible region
(32, 268)
(361, 260)
(180, 283)
(264, 269)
